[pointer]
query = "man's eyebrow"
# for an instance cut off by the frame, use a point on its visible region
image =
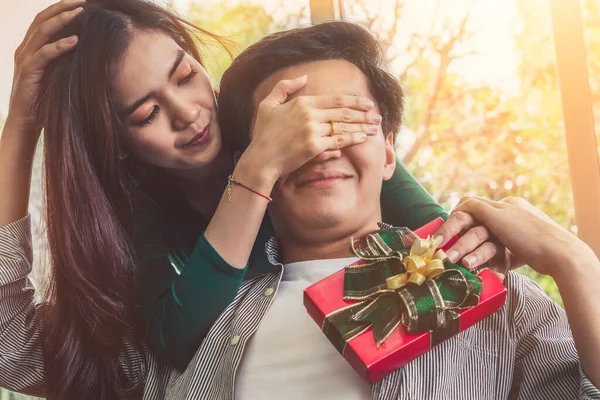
(131, 108)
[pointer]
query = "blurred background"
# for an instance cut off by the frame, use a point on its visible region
(484, 113)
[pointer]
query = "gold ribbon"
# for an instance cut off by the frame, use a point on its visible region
(424, 262)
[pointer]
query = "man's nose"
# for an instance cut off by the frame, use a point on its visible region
(326, 156)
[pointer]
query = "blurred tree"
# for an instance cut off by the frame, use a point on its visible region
(240, 25)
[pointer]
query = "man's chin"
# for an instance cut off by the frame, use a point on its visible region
(329, 217)
(322, 221)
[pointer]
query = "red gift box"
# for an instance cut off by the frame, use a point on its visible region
(401, 347)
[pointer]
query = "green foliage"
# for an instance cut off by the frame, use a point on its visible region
(239, 25)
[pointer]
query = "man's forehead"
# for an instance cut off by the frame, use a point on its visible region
(327, 77)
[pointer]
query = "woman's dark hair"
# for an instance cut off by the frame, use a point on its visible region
(88, 191)
(327, 41)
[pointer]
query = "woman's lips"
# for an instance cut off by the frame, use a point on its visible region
(200, 138)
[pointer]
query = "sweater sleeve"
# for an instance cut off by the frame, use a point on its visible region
(405, 202)
(178, 307)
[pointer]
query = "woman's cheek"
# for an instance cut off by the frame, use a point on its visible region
(152, 142)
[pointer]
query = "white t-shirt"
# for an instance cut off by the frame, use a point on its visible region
(289, 357)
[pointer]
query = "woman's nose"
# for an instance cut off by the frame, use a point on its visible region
(185, 116)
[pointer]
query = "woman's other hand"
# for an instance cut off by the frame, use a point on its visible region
(529, 235)
(475, 245)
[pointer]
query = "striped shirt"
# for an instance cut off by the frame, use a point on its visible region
(525, 350)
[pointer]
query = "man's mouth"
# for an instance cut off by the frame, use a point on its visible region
(200, 138)
(321, 179)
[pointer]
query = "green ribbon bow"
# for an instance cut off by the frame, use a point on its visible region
(401, 282)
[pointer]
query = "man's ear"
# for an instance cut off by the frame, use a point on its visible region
(390, 157)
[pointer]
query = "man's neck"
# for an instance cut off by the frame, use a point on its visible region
(330, 246)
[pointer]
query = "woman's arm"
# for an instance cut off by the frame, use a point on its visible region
(17, 149)
(21, 130)
(21, 361)
(578, 283)
(178, 310)
(285, 137)
(534, 239)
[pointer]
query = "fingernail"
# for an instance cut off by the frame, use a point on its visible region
(453, 256)
(361, 136)
(77, 11)
(470, 261)
(71, 39)
(372, 129)
(367, 103)
(375, 118)
(438, 239)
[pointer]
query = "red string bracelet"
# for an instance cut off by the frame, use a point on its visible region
(231, 181)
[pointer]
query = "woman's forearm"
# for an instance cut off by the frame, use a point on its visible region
(17, 149)
(578, 286)
(233, 229)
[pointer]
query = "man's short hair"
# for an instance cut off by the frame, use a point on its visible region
(327, 41)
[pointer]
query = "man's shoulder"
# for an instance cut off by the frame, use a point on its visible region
(521, 290)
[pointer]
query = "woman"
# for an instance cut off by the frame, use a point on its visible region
(135, 170)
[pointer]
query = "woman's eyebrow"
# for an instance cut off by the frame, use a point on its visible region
(128, 110)
(180, 55)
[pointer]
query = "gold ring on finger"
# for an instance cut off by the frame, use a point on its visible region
(332, 128)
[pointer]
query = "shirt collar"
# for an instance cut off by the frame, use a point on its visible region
(273, 251)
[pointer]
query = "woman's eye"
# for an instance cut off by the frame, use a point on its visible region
(150, 117)
(187, 78)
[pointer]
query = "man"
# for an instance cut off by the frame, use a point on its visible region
(266, 346)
